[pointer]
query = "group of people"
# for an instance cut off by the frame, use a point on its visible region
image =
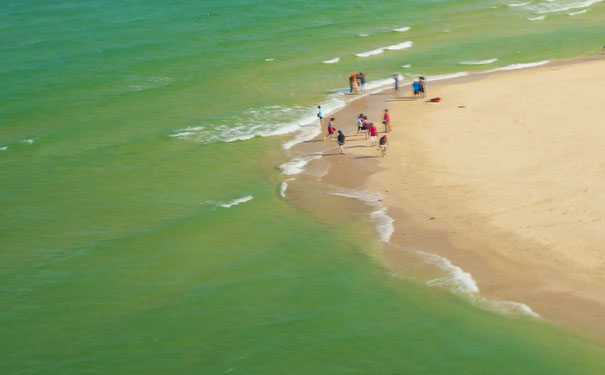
(363, 126)
(418, 85)
(357, 82)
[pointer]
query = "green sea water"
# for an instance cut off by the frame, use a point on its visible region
(142, 228)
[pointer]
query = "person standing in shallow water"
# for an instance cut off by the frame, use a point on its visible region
(362, 80)
(396, 78)
(341, 142)
(320, 115)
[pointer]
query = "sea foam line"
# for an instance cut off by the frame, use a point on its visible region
(261, 122)
(296, 165)
(538, 18)
(394, 47)
(457, 281)
(384, 223)
(579, 12)
(478, 62)
(446, 76)
(513, 5)
(332, 61)
(553, 6)
(519, 66)
(402, 29)
(237, 201)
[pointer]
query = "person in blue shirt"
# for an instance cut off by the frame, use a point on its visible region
(416, 86)
(320, 115)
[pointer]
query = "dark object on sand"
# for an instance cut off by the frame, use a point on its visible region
(435, 100)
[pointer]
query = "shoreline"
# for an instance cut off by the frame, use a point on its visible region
(421, 225)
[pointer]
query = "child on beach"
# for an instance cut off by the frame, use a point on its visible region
(331, 128)
(364, 127)
(360, 123)
(320, 115)
(384, 144)
(386, 120)
(341, 142)
(373, 134)
(421, 88)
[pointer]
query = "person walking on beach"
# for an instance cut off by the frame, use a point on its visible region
(373, 134)
(383, 144)
(351, 84)
(341, 142)
(364, 126)
(320, 115)
(386, 120)
(360, 123)
(396, 78)
(331, 129)
(422, 86)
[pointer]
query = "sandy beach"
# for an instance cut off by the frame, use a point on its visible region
(504, 177)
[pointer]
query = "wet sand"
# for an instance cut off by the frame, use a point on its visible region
(504, 177)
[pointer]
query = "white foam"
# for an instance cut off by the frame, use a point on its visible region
(402, 29)
(512, 307)
(262, 122)
(296, 165)
(538, 18)
(378, 51)
(446, 31)
(308, 127)
(283, 188)
(146, 83)
(512, 5)
(400, 46)
(373, 52)
(407, 66)
(332, 61)
(458, 281)
(478, 62)
(579, 12)
(384, 223)
(561, 5)
(4, 148)
(30, 141)
(235, 202)
(446, 76)
(381, 83)
(519, 66)
(269, 59)
(363, 34)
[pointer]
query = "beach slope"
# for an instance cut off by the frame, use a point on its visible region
(506, 178)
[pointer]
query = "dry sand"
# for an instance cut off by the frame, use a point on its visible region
(506, 178)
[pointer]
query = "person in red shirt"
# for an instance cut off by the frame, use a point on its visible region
(386, 120)
(373, 134)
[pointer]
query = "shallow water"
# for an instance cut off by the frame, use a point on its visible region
(129, 131)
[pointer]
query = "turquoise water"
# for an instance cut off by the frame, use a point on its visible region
(125, 128)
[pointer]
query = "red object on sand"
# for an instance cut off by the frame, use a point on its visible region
(435, 100)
